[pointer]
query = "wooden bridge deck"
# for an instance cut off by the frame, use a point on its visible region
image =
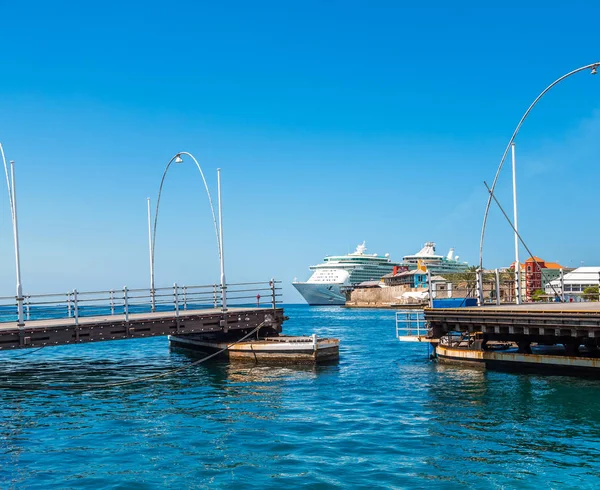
(60, 331)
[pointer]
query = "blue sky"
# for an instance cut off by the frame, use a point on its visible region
(333, 122)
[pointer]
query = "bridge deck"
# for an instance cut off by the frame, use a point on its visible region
(60, 331)
(536, 321)
(588, 306)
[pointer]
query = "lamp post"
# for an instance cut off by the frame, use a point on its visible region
(218, 228)
(151, 248)
(221, 256)
(12, 196)
(516, 223)
(594, 69)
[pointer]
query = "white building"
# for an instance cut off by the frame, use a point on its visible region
(574, 283)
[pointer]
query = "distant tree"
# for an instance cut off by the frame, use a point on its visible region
(538, 295)
(465, 282)
(591, 293)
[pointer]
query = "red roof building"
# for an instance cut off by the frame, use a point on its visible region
(538, 273)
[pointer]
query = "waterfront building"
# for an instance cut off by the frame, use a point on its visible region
(400, 287)
(538, 273)
(412, 279)
(575, 283)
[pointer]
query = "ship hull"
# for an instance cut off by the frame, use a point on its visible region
(317, 294)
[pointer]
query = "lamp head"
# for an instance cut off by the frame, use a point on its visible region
(178, 159)
(594, 69)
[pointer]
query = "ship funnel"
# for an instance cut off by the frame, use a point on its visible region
(450, 254)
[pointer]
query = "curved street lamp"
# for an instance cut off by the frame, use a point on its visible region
(594, 68)
(218, 228)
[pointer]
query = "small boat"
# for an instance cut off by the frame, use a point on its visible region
(282, 349)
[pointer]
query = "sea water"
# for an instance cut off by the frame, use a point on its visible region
(385, 416)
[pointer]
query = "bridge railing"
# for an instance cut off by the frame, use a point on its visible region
(77, 304)
(542, 282)
(410, 323)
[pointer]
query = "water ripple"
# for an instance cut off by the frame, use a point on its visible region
(385, 416)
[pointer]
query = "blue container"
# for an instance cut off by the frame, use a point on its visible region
(454, 302)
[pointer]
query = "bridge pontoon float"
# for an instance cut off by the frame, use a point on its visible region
(281, 349)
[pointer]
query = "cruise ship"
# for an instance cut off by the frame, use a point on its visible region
(343, 271)
(323, 287)
(437, 264)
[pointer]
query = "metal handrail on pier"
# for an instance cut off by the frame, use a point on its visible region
(77, 304)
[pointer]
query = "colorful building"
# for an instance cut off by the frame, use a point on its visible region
(538, 273)
(411, 279)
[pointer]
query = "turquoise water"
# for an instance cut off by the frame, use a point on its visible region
(384, 417)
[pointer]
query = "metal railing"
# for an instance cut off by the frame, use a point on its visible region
(498, 287)
(411, 323)
(421, 288)
(469, 287)
(77, 304)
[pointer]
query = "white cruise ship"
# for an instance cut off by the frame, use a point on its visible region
(437, 264)
(323, 287)
(341, 271)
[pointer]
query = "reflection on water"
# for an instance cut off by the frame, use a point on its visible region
(384, 416)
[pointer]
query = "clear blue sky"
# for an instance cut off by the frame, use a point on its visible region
(333, 122)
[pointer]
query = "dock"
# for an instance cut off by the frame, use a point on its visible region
(550, 323)
(550, 337)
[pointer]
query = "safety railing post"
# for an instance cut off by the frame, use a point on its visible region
(75, 307)
(185, 297)
(112, 302)
(215, 302)
(562, 286)
(223, 297)
(126, 304)
(429, 288)
(497, 286)
(176, 299)
(20, 320)
(27, 308)
(69, 305)
(274, 298)
(479, 277)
